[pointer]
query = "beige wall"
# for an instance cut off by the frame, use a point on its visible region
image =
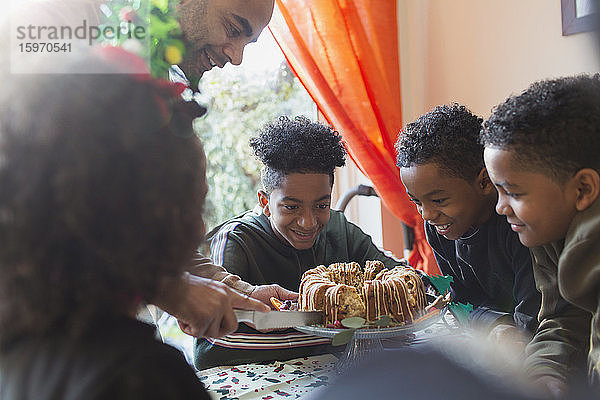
(478, 52)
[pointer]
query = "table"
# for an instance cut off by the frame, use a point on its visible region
(291, 379)
(299, 377)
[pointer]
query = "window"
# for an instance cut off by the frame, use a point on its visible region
(240, 101)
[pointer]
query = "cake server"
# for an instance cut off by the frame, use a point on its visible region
(279, 319)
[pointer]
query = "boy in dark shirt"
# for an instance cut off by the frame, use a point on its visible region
(542, 151)
(441, 166)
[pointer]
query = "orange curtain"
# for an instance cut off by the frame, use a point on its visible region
(345, 53)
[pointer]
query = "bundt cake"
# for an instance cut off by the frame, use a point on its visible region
(344, 290)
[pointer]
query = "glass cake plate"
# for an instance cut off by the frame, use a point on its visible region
(377, 333)
(367, 341)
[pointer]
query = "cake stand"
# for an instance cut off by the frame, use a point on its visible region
(367, 341)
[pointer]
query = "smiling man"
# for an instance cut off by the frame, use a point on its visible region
(291, 230)
(216, 31)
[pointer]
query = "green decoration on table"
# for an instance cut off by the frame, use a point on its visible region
(461, 312)
(441, 283)
(354, 323)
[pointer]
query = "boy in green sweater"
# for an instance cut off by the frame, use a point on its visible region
(291, 230)
(542, 153)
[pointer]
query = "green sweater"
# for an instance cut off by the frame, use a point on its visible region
(247, 246)
(568, 275)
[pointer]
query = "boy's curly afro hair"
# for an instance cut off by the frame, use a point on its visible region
(447, 136)
(553, 127)
(298, 145)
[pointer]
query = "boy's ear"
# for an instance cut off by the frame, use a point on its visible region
(484, 183)
(263, 200)
(587, 183)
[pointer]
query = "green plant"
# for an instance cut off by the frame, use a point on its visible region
(148, 28)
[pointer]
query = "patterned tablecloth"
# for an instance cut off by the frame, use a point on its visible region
(291, 379)
(297, 378)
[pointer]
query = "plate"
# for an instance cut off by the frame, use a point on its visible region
(379, 333)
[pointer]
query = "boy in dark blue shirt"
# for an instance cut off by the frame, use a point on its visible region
(441, 165)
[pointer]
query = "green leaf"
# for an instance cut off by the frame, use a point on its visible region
(342, 337)
(163, 5)
(353, 322)
(160, 29)
(441, 283)
(461, 312)
(383, 320)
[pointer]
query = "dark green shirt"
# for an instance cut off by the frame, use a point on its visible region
(247, 246)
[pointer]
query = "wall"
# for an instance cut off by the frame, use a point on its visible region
(478, 52)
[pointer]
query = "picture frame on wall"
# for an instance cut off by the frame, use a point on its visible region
(578, 16)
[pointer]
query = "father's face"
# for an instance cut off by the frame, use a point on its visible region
(216, 31)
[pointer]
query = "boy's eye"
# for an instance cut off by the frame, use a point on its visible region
(290, 207)
(439, 201)
(323, 206)
(509, 194)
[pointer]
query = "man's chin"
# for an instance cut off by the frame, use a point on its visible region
(191, 69)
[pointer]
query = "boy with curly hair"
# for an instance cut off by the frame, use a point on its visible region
(441, 166)
(541, 151)
(291, 230)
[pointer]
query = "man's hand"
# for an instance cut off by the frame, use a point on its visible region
(265, 292)
(204, 307)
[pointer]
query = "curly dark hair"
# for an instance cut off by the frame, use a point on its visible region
(553, 127)
(100, 203)
(447, 136)
(298, 145)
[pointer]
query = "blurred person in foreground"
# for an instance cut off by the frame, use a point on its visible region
(100, 210)
(463, 367)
